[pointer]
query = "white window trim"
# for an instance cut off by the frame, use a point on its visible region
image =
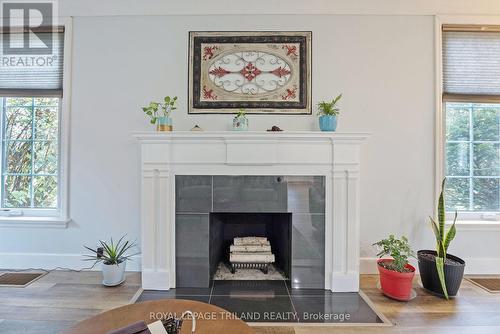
(59, 218)
(466, 220)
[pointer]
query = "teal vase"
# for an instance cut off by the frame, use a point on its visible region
(328, 123)
(164, 123)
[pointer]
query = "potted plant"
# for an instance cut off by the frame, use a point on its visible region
(240, 121)
(114, 259)
(328, 112)
(396, 274)
(441, 273)
(159, 112)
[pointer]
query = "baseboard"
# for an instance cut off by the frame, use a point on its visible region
(473, 266)
(345, 282)
(155, 279)
(48, 261)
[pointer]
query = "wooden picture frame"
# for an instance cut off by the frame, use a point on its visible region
(261, 72)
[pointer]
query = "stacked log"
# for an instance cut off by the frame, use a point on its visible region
(251, 250)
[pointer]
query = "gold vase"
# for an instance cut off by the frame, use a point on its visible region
(164, 123)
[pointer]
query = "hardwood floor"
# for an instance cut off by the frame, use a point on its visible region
(60, 299)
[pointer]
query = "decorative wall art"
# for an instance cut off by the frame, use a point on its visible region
(263, 72)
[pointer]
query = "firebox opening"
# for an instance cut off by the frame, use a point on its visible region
(225, 227)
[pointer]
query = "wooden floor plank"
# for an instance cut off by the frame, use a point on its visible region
(59, 299)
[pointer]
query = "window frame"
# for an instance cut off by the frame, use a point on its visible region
(60, 217)
(32, 212)
(468, 220)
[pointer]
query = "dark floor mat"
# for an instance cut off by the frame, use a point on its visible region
(19, 279)
(490, 284)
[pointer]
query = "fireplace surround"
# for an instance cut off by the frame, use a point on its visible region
(335, 157)
(212, 210)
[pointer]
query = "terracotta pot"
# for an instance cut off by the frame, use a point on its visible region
(395, 284)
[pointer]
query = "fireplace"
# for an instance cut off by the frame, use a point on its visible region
(275, 227)
(313, 176)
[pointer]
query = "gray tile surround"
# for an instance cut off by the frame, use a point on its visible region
(191, 250)
(193, 194)
(249, 194)
(306, 194)
(198, 196)
(308, 250)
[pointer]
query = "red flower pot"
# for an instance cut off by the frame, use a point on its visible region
(395, 284)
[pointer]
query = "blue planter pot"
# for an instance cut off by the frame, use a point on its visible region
(328, 123)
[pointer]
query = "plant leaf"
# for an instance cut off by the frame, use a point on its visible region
(451, 234)
(440, 271)
(435, 229)
(113, 253)
(441, 211)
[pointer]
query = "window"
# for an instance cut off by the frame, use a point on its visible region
(31, 89)
(471, 98)
(472, 156)
(30, 159)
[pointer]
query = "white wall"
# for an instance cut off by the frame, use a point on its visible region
(384, 66)
(276, 7)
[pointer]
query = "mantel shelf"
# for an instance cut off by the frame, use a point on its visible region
(340, 136)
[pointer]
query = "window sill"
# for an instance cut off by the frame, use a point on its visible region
(475, 225)
(36, 222)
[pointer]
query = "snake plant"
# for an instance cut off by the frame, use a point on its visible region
(443, 238)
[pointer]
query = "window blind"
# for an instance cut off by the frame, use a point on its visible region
(31, 73)
(471, 62)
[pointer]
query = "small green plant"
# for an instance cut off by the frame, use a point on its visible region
(160, 109)
(241, 113)
(113, 253)
(329, 108)
(443, 237)
(398, 249)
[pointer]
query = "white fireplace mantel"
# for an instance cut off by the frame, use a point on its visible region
(333, 155)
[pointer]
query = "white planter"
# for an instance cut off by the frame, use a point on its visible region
(113, 274)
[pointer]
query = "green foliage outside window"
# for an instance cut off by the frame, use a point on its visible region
(30, 148)
(472, 157)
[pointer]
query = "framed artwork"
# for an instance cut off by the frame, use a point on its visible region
(262, 72)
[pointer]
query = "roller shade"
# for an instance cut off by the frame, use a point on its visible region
(471, 63)
(31, 72)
